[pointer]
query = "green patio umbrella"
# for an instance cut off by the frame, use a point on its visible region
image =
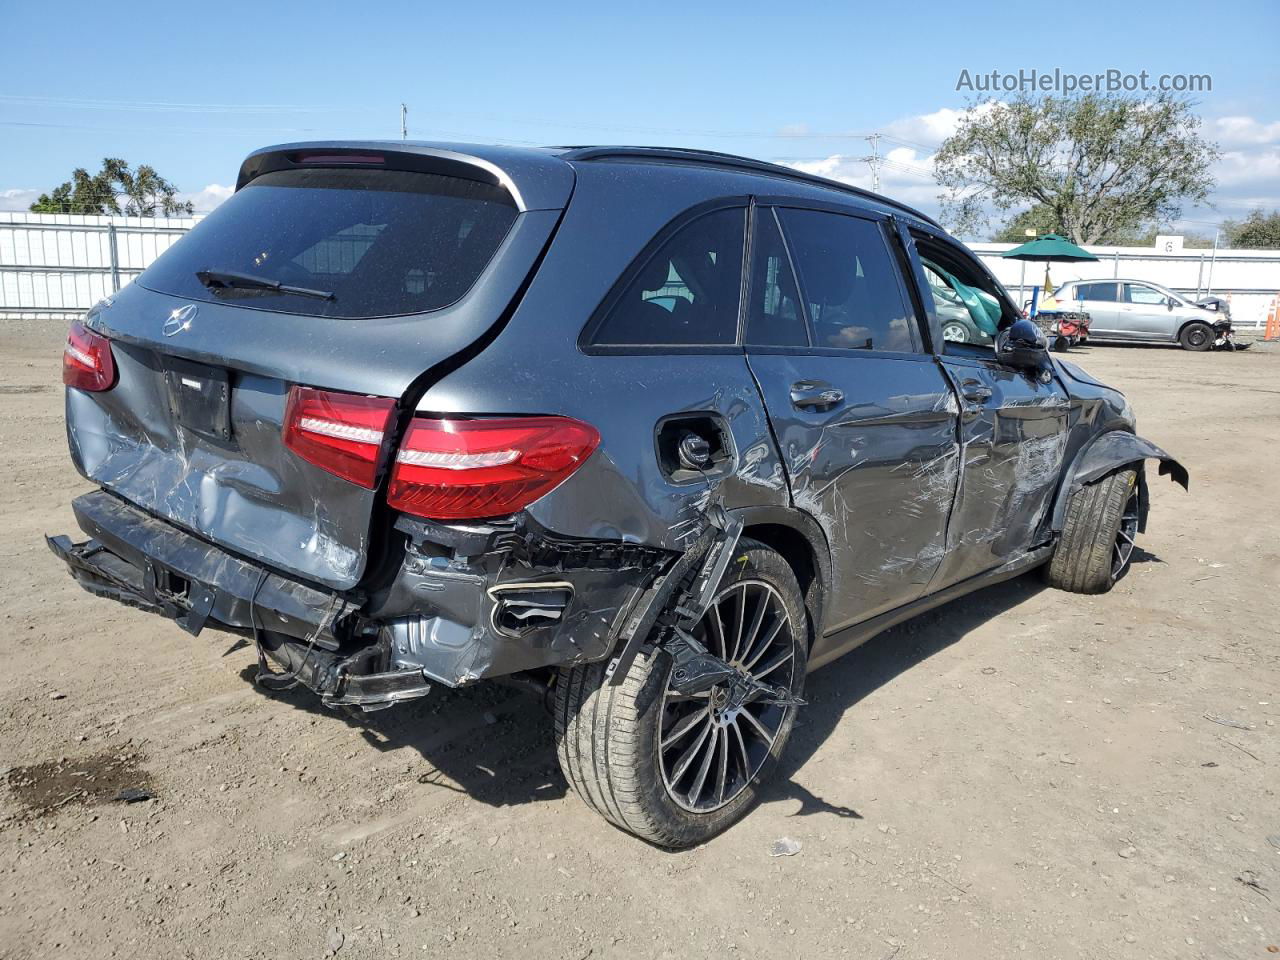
(1051, 246)
(1047, 248)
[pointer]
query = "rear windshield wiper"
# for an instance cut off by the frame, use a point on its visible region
(230, 280)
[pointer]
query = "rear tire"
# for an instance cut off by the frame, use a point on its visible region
(1096, 545)
(612, 741)
(1196, 336)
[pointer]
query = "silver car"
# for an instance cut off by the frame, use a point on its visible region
(1143, 311)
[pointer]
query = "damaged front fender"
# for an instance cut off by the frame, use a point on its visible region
(1108, 452)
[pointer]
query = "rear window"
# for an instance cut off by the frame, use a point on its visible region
(382, 242)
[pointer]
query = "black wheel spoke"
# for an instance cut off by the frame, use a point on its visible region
(722, 772)
(682, 727)
(687, 758)
(772, 665)
(740, 622)
(754, 723)
(749, 641)
(708, 756)
(716, 626)
(743, 759)
(751, 660)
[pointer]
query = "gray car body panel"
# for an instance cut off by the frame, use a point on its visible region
(907, 494)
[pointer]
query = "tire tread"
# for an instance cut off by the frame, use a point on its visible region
(1082, 561)
(599, 742)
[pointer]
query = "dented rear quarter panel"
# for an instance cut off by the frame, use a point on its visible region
(621, 492)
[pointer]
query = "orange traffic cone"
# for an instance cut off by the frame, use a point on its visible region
(1273, 320)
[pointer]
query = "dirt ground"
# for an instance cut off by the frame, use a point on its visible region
(1021, 772)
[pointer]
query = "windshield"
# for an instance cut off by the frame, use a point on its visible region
(374, 242)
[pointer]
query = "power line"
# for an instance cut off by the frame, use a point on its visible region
(164, 106)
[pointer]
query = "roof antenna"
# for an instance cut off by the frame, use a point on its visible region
(404, 122)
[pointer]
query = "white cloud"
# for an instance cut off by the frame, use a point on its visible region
(208, 198)
(1247, 175)
(1235, 131)
(906, 174)
(18, 199)
(930, 129)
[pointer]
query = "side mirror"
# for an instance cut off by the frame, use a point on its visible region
(1022, 346)
(1169, 304)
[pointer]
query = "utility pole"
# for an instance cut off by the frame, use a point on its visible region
(874, 160)
(404, 122)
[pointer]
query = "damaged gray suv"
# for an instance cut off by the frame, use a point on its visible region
(655, 431)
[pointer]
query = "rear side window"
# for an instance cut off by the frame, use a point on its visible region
(382, 242)
(687, 292)
(1096, 291)
(849, 283)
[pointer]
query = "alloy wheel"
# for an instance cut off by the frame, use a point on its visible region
(708, 750)
(1126, 536)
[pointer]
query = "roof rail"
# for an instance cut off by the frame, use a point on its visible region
(714, 158)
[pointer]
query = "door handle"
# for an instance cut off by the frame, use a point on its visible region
(975, 391)
(815, 395)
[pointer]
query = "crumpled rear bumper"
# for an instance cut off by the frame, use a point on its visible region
(479, 612)
(151, 564)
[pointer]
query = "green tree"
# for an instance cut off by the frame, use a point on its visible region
(1041, 220)
(115, 189)
(1096, 164)
(1258, 230)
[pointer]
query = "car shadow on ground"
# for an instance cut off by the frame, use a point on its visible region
(877, 663)
(495, 743)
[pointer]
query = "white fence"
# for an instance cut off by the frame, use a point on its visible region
(1251, 278)
(57, 265)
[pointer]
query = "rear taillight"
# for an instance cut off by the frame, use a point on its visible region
(87, 363)
(472, 469)
(339, 432)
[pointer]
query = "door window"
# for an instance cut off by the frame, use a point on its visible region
(773, 315)
(1105, 292)
(687, 292)
(1140, 293)
(851, 288)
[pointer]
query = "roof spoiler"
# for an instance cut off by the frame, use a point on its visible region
(535, 180)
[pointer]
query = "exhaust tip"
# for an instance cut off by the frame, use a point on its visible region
(521, 608)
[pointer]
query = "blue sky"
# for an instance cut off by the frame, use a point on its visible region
(192, 88)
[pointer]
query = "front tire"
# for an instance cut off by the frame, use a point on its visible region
(1196, 336)
(1097, 542)
(676, 771)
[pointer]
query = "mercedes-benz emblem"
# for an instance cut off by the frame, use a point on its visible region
(180, 319)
